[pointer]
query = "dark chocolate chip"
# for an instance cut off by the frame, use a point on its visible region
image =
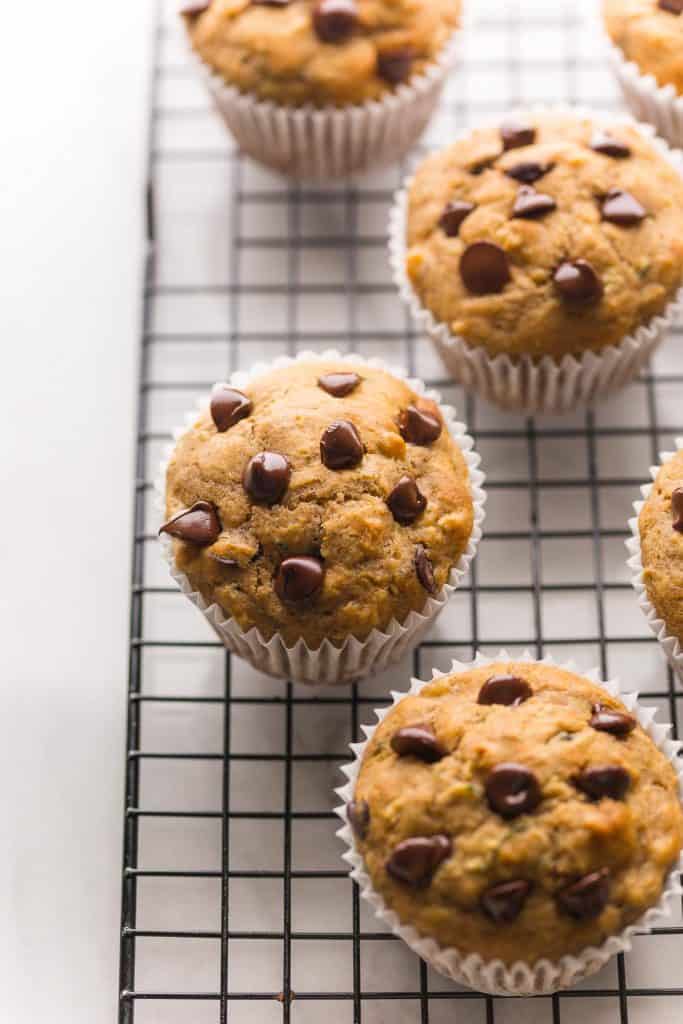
(530, 204)
(339, 384)
(577, 283)
(193, 10)
(515, 135)
(453, 215)
(418, 741)
(228, 406)
(622, 208)
(425, 570)
(671, 6)
(414, 861)
(503, 903)
(341, 446)
(528, 172)
(199, 524)
(358, 813)
(511, 789)
(605, 719)
(507, 690)
(484, 268)
(677, 509)
(299, 578)
(420, 425)
(406, 501)
(334, 20)
(229, 563)
(395, 65)
(610, 780)
(587, 897)
(608, 146)
(266, 477)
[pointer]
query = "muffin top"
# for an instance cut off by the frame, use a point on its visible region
(650, 33)
(661, 542)
(322, 52)
(517, 811)
(323, 501)
(550, 237)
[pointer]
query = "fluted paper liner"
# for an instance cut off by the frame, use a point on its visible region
(355, 659)
(493, 976)
(670, 644)
(525, 383)
(659, 105)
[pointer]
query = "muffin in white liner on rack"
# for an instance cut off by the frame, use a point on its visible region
(659, 105)
(494, 976)
(354, 659)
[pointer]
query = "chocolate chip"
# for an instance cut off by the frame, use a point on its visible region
(511, 789)
(515, 135)
(395, 66)
(420, 425)
(608, 146)
(503, 903)
(677, 509)
(529, 203)
(199, 524)
(672, 6)
(611, 780)
(577, 282)
(228, 406)
(507, 690)
(299, 578)
(358, 813)
(414, 861)
(192, 10)
(266, 477)
(528, 172)
(341, 446)
(587, 897)
(622, 208)
(605, 719)
(425, 569)
(406, 501)
(418, 741)
(453, 215)
(334, 20)
(484, 268)
(340, 384)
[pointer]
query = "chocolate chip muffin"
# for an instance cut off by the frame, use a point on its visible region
(649, 33)
(321, 52)
(660, 525)
(516, 811)
(551, 236)
(322, 502)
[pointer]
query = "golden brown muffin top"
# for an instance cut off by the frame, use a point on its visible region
(650, 33)
(661, 542)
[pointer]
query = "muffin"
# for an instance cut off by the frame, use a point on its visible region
(536, 243)
(306, 85)
(514, 812)
(324, 503)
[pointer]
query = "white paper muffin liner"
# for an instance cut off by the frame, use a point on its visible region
(659, 105)
(670, 644)
(527, 384)
(355, 659)
(520, 979)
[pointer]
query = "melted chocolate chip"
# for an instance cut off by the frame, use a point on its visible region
(334, 20)
(454, 213)
(341, 446)
(198, 525)
(609, 780)
(605, 719)
(587, 897)
(192, 10)
(503, 903)
(671, 6)
(484, 268)
(358, 813)
(406, 501)
(418, 741)
(228, 406)
(515, 135)
(420, 425)
(339, 384)
(425, 570)
(528, 172)
(608, 146)
(622, 208)
(266, 477)
(577, 283)
(414, 861)
(511, 789)
(395, 66)
(530, 204)
(507, 690)
(677, 509)
(299, 578)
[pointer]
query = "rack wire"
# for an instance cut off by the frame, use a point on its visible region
(235, 904)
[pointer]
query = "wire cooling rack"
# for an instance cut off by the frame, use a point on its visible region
(236, 906)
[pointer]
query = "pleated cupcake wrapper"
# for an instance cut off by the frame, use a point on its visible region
(355, 659)
(493, 976)
(659, 105)
(670, 644)
(525, 383)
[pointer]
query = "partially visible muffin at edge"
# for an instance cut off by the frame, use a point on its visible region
(649, 33)
(660, 525)
(334, 501)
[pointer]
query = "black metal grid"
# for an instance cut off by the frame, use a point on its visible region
(235, 905)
